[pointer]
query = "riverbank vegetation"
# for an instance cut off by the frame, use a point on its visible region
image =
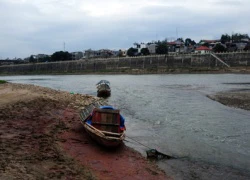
(2, 81)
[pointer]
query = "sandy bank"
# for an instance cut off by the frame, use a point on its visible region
(42, 138)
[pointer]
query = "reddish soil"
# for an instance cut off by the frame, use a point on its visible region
(42, 138)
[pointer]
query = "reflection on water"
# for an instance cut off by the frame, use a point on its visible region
(172, 113)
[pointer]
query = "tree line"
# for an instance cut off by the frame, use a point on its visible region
(57, 56)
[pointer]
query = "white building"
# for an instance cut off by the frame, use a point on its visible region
(203, 50)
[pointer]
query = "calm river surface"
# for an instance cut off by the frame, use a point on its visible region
(172, 113)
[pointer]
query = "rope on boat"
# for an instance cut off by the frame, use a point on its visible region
(138, 142)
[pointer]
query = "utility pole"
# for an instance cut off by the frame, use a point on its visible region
(232, 37)
(176, 33)
(64, 46)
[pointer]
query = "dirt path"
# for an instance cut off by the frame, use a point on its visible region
(42, 138)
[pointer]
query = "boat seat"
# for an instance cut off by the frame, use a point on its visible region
(106, 119)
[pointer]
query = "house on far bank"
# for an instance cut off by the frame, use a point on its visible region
(76, 55)
(209, 43)
(40, 58)
(122, 53)
(139, 47)
(101, 53)
(114, 53)
(176, 47)
(152, 48)
(241, 45)
(89, 53)
(203, 50)
(6, 62)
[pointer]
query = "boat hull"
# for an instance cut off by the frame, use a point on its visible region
(102, 140)
(107, 139)
(103, 93)
(103, 90)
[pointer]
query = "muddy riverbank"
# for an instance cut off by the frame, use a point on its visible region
(42, 138)
(238, 99)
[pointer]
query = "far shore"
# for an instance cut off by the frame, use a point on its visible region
(140, 71)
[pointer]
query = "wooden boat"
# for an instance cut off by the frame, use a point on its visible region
(105, 125)
(103, 88)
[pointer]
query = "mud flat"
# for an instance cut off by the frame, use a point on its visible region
(238, 99)
(42, 138)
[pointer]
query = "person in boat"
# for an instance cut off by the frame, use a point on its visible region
(122, 119)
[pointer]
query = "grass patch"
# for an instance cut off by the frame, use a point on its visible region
(3, 81)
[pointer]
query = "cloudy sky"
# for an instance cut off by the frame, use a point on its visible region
(44, 26)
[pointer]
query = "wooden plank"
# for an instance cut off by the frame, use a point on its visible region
(94, 129)
(106, 124)
(104, 132)
(112, 111)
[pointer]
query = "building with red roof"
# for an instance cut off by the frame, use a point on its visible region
(203, 50)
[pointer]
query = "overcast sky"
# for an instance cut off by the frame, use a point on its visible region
(44, 26)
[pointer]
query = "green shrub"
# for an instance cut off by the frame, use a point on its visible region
(3, 81)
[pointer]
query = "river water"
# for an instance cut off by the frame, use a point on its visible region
(172, 113)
